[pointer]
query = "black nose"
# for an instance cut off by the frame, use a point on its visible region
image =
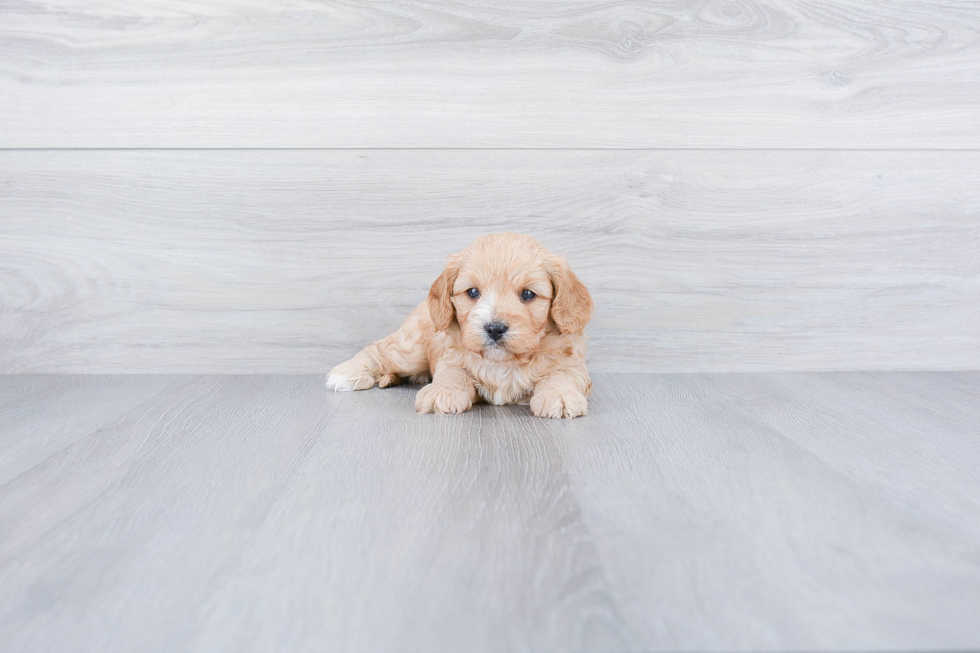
(496, 330)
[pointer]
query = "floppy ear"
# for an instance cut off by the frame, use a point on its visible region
(440, 300)
(571, 306)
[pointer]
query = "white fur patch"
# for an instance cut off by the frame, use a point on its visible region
(482, 313)
(339, 383)
(500, 383)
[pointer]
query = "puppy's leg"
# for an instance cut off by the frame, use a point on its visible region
(387, 361)
(451, 391)
(562, 394)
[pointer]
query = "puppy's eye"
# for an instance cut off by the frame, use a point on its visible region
(473, 293)
(527, 296)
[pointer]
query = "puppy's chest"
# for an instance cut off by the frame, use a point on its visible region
(503, 384)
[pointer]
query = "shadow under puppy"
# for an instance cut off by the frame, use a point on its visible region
(502, 323)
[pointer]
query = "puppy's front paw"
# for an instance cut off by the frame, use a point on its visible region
(548, 402)
(442, 399)
(349, 376)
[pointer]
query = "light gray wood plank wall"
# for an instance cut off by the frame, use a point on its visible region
(692, 73)
(289, 261)
(686, 512)
(276, 261)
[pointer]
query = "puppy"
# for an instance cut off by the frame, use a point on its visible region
(502, 323)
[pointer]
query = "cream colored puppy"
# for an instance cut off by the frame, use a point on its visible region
(502, 323)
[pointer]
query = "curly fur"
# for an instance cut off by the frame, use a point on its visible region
(540, 359)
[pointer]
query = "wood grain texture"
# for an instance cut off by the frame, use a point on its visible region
(693, 73)
(290, 261)
(781, 507)
(56, 411)
(686, 512)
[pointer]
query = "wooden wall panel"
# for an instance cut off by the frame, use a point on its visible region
(634, 74)
(288, 261)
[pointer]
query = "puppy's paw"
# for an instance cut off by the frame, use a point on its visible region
(548, 402)
(442, 399)
(349, 376)
(388, 380)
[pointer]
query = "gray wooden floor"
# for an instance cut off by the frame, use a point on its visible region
(686, 512)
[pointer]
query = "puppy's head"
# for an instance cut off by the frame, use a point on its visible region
(506, 291)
